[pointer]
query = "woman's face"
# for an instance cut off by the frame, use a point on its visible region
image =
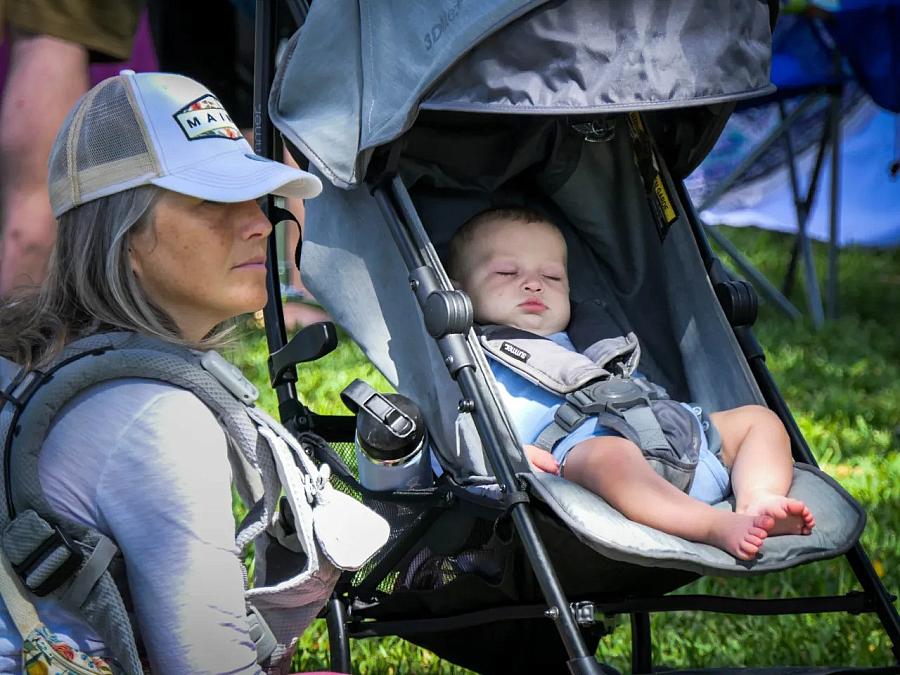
(202, 262)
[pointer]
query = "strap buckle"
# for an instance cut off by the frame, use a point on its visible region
(41, 555)
(262, 636)
(568, 417)
(614, 395)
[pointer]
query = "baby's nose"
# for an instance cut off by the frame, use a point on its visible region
(533, 283)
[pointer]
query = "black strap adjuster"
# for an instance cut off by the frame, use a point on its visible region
(65, 569)
(568, 417)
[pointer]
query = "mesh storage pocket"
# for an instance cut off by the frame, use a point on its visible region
(414, 567)
(404, 511)
(484, 554)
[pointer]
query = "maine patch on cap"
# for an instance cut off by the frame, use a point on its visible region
(205, 117)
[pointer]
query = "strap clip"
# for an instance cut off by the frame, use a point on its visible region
(568, 417)
(262, 636)
(614, 395)
(41, 555)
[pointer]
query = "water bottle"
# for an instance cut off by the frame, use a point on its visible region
(391, 444)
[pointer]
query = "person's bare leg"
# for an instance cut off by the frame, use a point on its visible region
(45, 78)
(757, 450)
(615, 469)
(298, 314)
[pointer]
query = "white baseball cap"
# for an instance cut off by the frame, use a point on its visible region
(164, 129)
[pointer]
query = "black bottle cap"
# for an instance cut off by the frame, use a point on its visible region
(395, 436)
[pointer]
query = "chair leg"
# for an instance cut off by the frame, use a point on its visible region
(882, 600)
(338, 640)
(641, 643)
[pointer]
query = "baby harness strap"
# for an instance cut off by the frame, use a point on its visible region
(54, 555)
(599, 383)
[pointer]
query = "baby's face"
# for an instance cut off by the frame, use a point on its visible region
(516, 275)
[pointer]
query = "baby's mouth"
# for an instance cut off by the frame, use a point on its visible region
(533, 306)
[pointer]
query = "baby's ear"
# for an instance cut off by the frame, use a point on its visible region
(456, 284)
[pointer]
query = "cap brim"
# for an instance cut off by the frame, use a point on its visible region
(240, 177)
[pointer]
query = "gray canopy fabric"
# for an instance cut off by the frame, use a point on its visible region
(358, 73)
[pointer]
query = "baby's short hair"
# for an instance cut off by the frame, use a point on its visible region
(459, 242)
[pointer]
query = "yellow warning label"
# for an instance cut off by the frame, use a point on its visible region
(636, 123)
(665, 203)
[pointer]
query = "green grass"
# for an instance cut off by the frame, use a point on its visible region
(843, 386)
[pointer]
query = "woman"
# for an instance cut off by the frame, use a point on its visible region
(160, 234)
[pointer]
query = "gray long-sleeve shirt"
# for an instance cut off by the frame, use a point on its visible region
(145, 463)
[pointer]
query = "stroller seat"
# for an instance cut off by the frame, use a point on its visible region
(615, 254)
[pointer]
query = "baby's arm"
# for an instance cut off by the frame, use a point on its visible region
(541, 460)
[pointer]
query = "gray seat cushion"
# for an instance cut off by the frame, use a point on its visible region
(839, 523)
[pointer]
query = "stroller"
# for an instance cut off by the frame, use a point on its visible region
(419, 115)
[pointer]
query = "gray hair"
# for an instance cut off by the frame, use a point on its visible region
(90, 285)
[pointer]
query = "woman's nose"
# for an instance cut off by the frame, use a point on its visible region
(253, 222)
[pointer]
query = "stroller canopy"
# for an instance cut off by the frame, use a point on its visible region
(364, 70)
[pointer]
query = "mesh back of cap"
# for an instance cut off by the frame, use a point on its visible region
(99, 150)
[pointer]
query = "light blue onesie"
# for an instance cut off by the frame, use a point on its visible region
(533, 408)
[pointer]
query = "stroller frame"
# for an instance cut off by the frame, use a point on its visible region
(570, 618)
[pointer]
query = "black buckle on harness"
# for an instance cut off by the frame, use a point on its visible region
(64, 570)
(614, 395)
(568, 417)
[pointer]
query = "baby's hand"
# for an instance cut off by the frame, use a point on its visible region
(541, 460)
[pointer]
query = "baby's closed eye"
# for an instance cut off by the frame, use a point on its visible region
(553, 273)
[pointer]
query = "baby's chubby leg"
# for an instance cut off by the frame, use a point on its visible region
(757, 450)
(615, 469)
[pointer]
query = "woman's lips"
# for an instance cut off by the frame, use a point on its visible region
(253, 263)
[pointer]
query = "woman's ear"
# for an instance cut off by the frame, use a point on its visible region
(133, 261)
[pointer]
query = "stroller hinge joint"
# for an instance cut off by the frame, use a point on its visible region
(584, 612)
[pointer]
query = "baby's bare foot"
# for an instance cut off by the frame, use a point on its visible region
(740, 534)
(791, 515)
